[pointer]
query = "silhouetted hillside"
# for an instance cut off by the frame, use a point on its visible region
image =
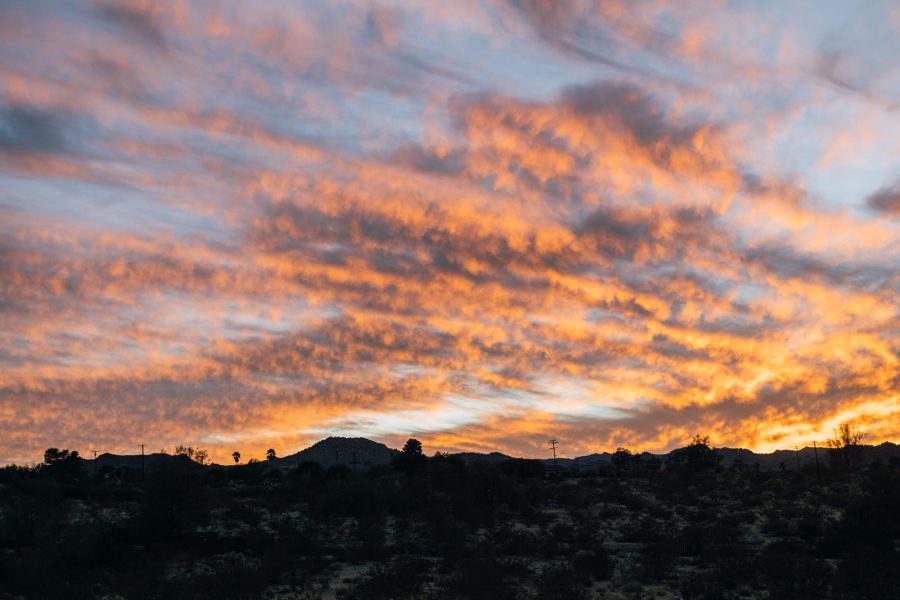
(492, 457)
(132, 462)
(730, 457)
(341, 451)
(695, 524)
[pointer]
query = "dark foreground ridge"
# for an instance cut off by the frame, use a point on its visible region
(351, 518)
(367, 453)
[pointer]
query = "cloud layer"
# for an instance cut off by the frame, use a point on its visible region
(479, 224)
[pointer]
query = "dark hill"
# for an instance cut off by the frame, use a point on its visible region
(340, 451)
(493, 457)
(133, 461)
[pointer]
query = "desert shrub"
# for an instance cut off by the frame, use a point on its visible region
(593, 564)
(400, 578)
(560, 583)
(788, 572)
(486, 578)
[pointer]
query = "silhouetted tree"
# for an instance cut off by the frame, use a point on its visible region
(411, 458)
(696, 456)
(236, 456)
(198, 455)
(62, 464)
(270, 454)
(53, 456)
(845, 448)
(61, 458)
(413, 447)
(623, 459)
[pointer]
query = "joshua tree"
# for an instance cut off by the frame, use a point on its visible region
(236, 456)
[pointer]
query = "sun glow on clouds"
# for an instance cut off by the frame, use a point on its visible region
(482, 224)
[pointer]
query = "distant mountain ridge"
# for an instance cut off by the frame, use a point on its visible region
(135, 462)
(792, 459)
(367, 453)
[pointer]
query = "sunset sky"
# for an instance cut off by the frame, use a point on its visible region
(243, 225)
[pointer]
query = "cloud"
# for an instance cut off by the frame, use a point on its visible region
(886, 200)
(136, 22)
(630, 105)
(28, 129)
(295, 222)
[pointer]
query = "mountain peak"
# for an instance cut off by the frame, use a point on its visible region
(335, 450)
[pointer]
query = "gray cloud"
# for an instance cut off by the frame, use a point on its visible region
(135, 22)
(29, 129)
(632, 106)
(568, 29)
(886, 200)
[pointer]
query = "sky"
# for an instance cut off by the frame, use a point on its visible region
(482, 224)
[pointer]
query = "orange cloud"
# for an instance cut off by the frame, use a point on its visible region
(233, 259)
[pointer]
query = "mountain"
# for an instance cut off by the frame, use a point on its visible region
(133, 461)
(340, 451)
(792, 459)
(493, 457)
(801, 457)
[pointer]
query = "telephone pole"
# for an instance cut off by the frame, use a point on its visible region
(553, 444)
(95, 463)
(142, 462)
(797, 450)
(354, 462)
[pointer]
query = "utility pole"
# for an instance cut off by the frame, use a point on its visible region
(797, 450)
(142, 462)
(553, 444)
(95, 463)
(354, 462)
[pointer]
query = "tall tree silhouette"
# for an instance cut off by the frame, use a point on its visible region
(62, 464)
(623, 460)
(697, 456)
(411, 458)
